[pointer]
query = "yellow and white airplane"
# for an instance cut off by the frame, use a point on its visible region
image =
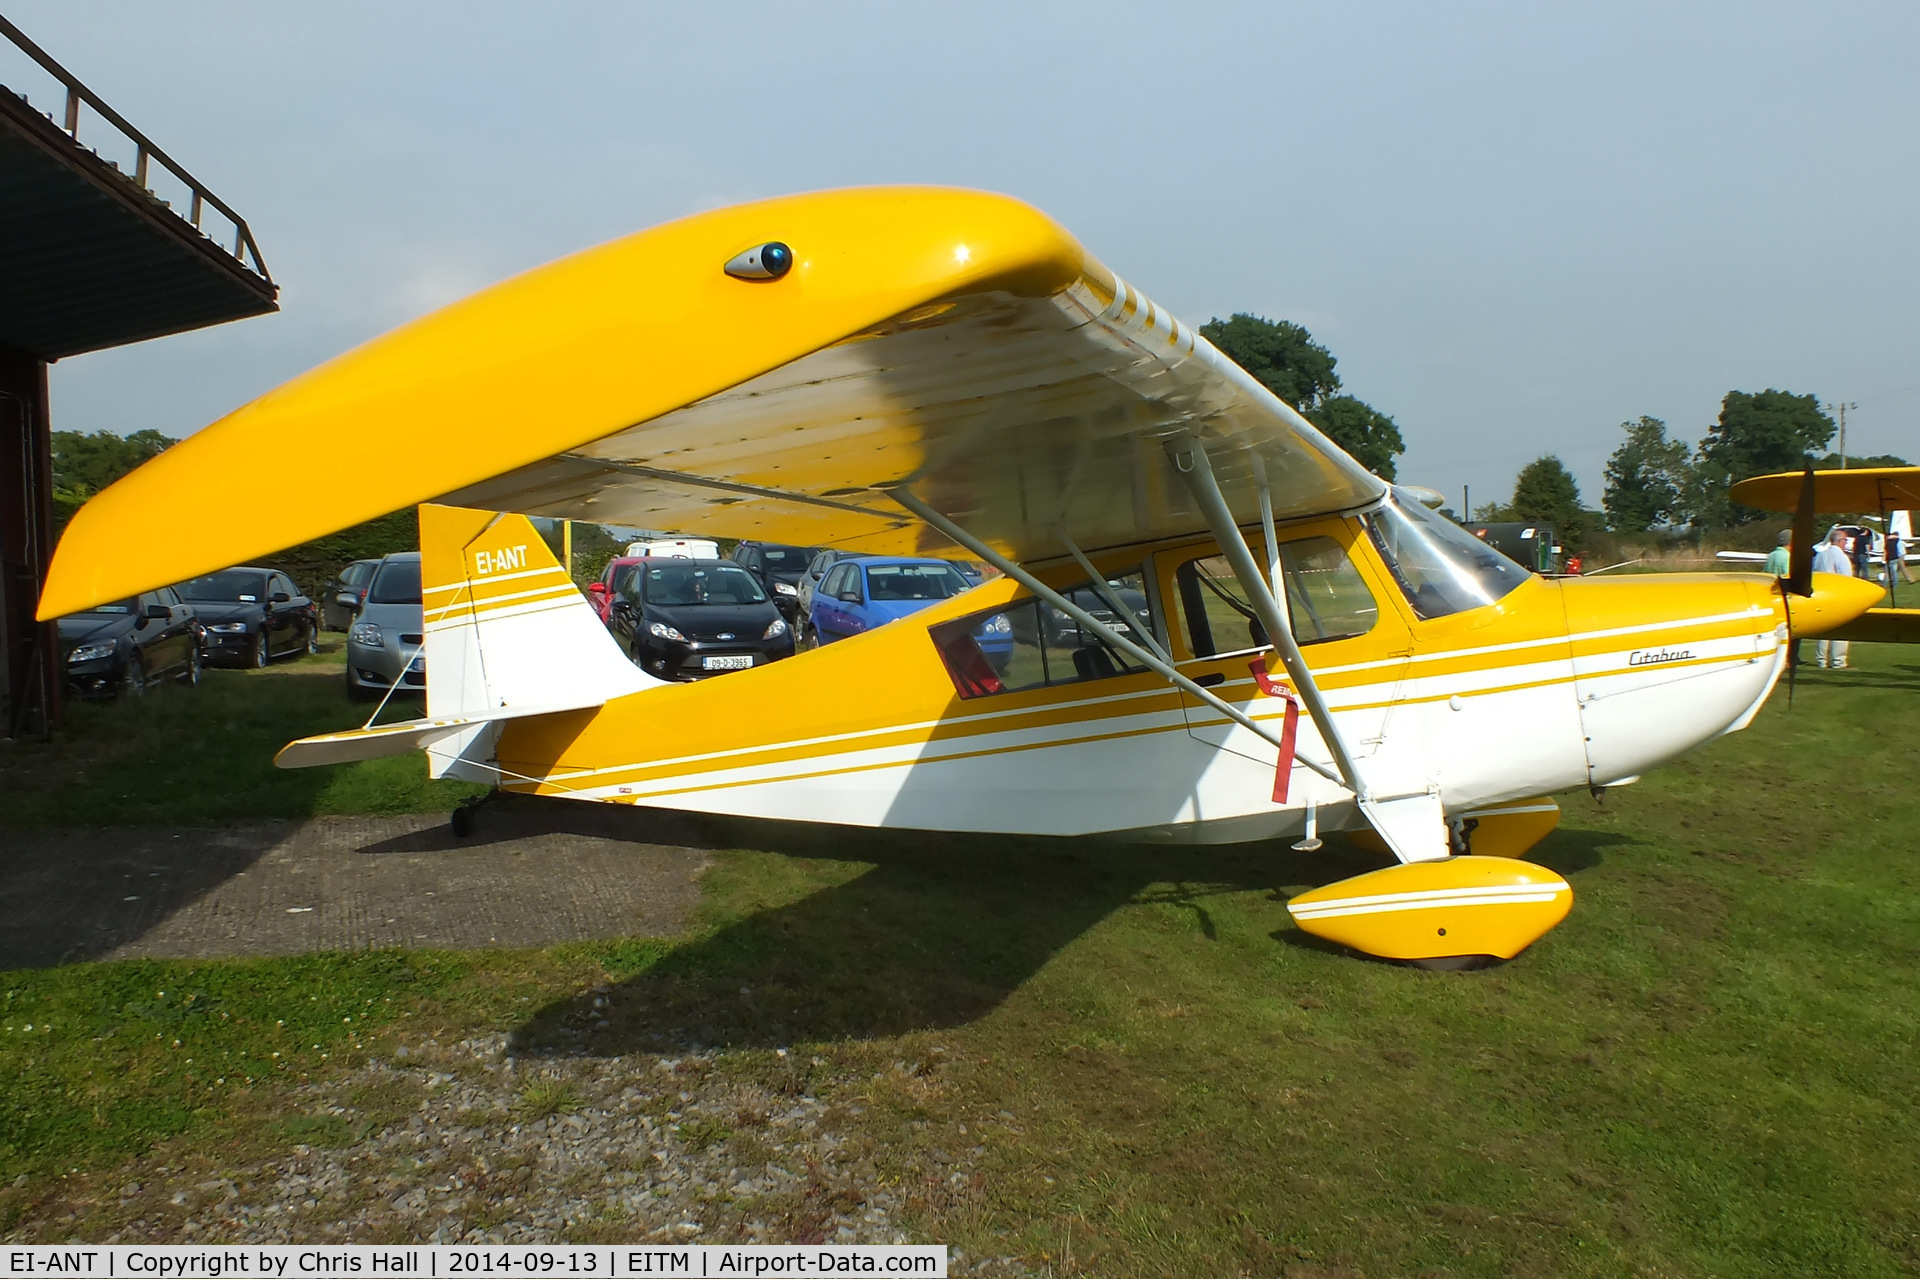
(920, 370)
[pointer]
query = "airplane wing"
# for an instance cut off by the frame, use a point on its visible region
(955, 342)
(1867, 488)
(1881, 626)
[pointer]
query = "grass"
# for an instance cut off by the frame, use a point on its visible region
(1709, 1069)
(206, 755)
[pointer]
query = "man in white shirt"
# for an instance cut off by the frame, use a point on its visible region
(1831, 557)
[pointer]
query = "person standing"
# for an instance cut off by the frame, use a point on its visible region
(1780, 564)
(1863, 554)
(1832, 558)
(1780, 558)
(1897, 557)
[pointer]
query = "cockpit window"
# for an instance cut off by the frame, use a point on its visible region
(1441, 568)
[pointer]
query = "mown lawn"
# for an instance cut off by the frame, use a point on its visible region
(1709, 1069)
(206, 754)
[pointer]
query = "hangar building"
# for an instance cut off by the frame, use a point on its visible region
(92, 255)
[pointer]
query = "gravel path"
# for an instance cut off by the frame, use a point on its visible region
(466, 1144)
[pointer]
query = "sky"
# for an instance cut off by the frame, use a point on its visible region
(1515, 225)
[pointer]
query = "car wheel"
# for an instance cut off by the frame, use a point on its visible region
(257, 656)
(360, 692)
(133, 676)
(313, 640)
(191, 677)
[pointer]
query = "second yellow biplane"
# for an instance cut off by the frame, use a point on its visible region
(1213, 625)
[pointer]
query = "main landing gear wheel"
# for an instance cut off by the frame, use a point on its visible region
(466, 815)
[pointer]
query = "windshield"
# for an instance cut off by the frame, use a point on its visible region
(1439, 566)
(685, 584)
(914, 582)
(228, 586)
(786, 559)
(398, 582)
(119, 608)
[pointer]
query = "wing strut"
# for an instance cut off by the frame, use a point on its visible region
(1093, 625)
(1414, 825)
(1198, 474)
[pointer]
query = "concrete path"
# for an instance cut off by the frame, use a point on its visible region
(533, 873)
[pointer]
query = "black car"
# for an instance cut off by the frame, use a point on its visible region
(124, 646)
(779, 569)
(253, 615)
(687, 619)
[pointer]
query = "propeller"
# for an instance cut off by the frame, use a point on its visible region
(1799, 578)
(1800, 557)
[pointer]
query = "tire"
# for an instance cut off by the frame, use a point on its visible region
(257, 656)
(313, 641)
(191, 676)
(360, 692)
(133, 676)
(461, 820)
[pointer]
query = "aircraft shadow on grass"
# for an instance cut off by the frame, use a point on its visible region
(937, 934)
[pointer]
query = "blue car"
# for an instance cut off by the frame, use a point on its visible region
(857, 596)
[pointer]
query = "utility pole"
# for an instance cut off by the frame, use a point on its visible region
(1466, 503)
(1841, 409)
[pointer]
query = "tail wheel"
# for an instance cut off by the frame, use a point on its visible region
(133, 678)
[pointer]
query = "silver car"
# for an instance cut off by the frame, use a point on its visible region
(385, 640)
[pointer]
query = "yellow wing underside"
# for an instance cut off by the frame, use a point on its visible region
(957, 342)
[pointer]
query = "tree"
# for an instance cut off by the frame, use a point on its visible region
(84, 464)
(1757, 434)
(1646, 478)
(1362, 430)
(1281, 355)
(1545, 491)
(1284, 358)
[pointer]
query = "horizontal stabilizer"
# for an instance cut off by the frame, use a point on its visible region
(397, 738)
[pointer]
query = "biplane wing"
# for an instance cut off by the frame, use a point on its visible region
(1868, 488)
(954, 342)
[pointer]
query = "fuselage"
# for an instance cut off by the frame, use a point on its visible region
(1557, 684)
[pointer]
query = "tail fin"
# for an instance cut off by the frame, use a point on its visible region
(507, 636)
(506, 629)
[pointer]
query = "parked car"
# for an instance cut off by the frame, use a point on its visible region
(252, 615)
(124, 646)
(683, 548)
(810, 582)
(861, 595)
(336, 613)
(600, 593)
(779, 569)
(386, 645)
(688, 619)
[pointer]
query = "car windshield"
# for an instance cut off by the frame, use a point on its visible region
(683, 583)
(119, 608)
(786, 559)
(228, 586)
(891, 582)
(398, 582)
(1439, 566)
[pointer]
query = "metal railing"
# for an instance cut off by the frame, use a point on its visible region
(145, 155)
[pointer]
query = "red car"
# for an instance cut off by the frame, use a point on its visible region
(600, 593)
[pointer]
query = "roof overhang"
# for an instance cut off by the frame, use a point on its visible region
(89, 259)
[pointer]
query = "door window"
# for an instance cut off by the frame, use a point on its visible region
(1033, 645)
(1326, 599)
